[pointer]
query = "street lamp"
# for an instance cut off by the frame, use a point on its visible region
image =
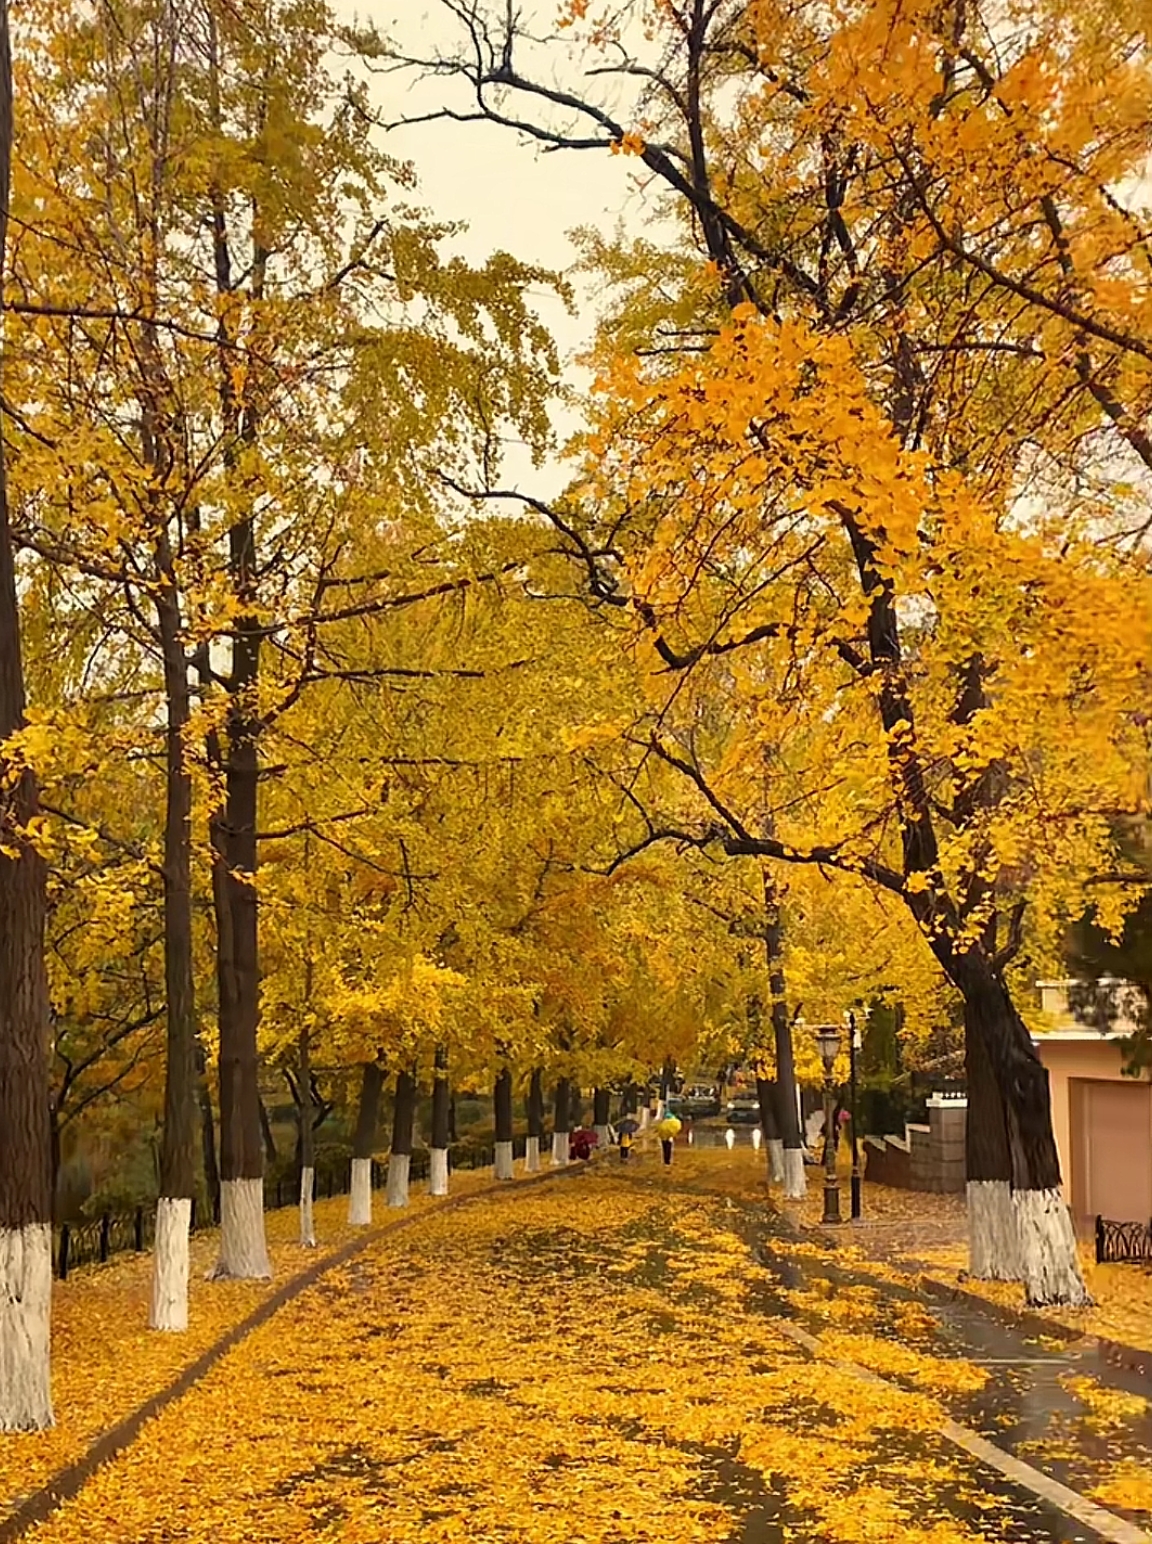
(854, 1044)
(828, 1041)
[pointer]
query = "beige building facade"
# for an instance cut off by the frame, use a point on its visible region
(1102, 1119)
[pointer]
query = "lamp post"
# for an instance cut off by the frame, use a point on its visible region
(853, 1047)
(828, 1040)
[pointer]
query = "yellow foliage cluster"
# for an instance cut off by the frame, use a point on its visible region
(877, 474)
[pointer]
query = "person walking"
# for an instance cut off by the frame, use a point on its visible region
(667, 1130)
(581, 1143)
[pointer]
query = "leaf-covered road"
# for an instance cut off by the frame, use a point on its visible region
(599, 1361)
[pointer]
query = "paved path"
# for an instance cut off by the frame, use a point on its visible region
(620, 1359)
(1054, 1405)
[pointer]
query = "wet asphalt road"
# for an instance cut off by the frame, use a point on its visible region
(1025, 1407)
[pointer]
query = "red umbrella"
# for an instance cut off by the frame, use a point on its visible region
(581, 1142)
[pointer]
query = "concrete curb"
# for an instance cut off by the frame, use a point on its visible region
(68, 1482)
(1108, 1525)
(1032, 1320)
(1114, 1352)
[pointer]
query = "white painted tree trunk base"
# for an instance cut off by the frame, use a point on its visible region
(503, 1163)
(603, 1138)
(532, 1155)
(360, 1195)
(776, 1160)
(795, 1179)
(993, 1231)
(307, 1191)
(170, 1264)
(1049, 1263)
(559, 1149)
(25, 1327)
(398, 1167)
(438, 1171)
(243, 1250)
(645, 1116)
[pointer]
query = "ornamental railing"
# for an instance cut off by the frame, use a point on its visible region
(95, 1240)
(1123, 1242)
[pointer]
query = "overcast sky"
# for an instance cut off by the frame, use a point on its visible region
(513, 196)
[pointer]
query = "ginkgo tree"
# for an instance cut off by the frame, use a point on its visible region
(25, 1149)
(936, 772)
(861, 478)
(95, 739)
(843, 945)
(221, 404)
(416, 769)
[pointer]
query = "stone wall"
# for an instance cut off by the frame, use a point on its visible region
(888, 1160)
(927, 1157)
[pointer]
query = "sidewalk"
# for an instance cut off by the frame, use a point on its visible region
(896, 1224)
(922, 1236)
(926, 1236)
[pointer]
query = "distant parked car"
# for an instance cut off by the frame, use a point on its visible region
(696, 1100)
(743, 1110)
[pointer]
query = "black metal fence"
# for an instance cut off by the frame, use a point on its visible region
(97, 1239)
(1123, 1242)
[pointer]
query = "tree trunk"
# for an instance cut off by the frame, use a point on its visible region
(25, 1088)
(600, 1108)
(363, 1144)
(400, 1154)
(243, 1251)
(1048, 1261)
(993, 1238)
(207, 1131)
(25, 1123)
(561, 1123)
(307, 1130)
(320, 1113)
(535, 1114)
(795, 1183)
(170, 1255)
(502, 1112)
(630, 1100)
(269, 1136)
(667, 1077)
(768, 1096)
(441, 1097)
